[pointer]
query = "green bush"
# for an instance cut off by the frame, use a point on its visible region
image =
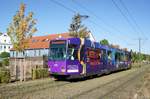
(45, 72)
(40, 73)
(6, 62)
(4, 75)
(1, 64)
(4, 55)
(34, 74)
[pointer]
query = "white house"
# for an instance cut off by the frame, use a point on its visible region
(5, 43)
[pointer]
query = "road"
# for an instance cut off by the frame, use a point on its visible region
(129, 84)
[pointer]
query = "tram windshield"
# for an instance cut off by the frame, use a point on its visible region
(60, 51)
(57, 50)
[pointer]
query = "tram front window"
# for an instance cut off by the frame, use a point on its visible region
(57, 51)
(57, 54)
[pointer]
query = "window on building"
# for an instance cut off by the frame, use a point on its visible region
(39, 52)
(34, 52)
(4, 47)
(13, 54)
(34, 40)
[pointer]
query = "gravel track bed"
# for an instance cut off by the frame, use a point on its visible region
(100, 87)
(134, 89)
(20, 90)
(107, 90)
(75, 89)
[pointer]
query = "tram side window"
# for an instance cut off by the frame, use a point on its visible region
(72, 52)
(109, 55)
(93, 56)
(127, 57)
(122, 57)
(103, 55)
(117, 57)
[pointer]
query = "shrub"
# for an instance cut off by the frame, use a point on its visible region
(1, 64)
(34, 74)
(4, 55)
(40, 73)
(4, 75)
(6, 62)
(45, 72)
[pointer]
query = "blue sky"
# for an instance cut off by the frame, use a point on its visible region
(105, 21)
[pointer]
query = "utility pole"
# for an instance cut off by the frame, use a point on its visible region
(140, 47)
(140, 51)
(140, 39)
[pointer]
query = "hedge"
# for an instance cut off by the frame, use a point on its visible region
(39, 73)
(4, 75)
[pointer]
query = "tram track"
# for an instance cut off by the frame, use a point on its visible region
(120, 81)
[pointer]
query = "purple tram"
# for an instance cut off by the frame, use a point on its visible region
(76, 57)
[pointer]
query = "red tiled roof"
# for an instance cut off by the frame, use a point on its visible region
(38, 42)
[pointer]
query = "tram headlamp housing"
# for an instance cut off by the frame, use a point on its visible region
(49, 69)
(62, 69)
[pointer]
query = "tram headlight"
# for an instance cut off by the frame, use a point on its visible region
(62, 69)
(49, 69)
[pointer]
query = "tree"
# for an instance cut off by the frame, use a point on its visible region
(104, 42)
(4, 55)
(1, 33)
(21, 30)
(77, 29)
(5, 62)
(148, 57)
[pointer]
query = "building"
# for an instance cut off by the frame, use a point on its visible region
(35, 56)
(5, 43)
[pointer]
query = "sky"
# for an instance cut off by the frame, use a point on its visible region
(105, 21)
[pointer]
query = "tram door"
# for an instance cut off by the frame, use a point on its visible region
(109, 60)
(72, 58)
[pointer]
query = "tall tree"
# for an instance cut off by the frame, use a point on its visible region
(104, 42)
(77, 29)
(21, 30)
